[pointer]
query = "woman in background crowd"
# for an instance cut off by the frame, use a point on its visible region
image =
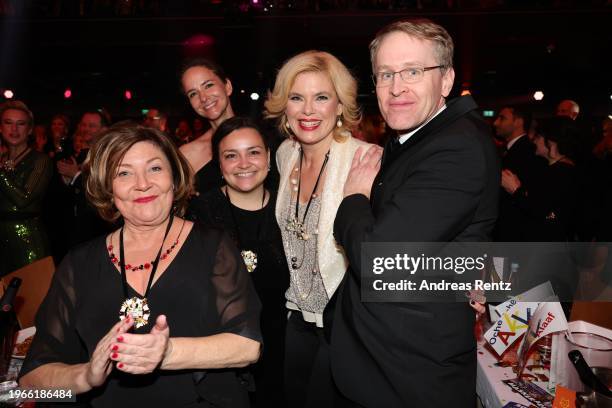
(208, 90)
(552, 201)
(58, 129)
(24, 177)
(39, 142)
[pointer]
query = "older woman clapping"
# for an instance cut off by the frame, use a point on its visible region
(134, 318)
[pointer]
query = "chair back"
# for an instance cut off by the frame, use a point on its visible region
(36, 279)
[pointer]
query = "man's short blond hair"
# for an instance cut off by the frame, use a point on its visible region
(421, 29)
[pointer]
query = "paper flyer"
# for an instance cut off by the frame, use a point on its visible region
(536, 395)
(535, 294)
(548, 318)
(512, 324)
(514, 315)
(516, 405)
(564, 398)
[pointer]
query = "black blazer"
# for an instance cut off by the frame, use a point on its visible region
(513, 224)
(442, 186)
(522, 160)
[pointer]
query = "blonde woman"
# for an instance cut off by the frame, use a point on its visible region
(314, 102)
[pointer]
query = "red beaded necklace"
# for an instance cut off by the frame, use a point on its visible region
(145, 265)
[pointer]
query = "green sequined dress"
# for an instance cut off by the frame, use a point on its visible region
(22, 236)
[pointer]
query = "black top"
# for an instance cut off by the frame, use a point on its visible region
(257, 231)
(204, 291)
(551, 203)
(208, 177)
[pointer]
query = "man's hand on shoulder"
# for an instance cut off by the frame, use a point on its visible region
(364, 169)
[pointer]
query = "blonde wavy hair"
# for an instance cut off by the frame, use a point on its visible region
(343, 81)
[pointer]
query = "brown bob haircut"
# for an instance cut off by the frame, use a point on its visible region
(104, 158)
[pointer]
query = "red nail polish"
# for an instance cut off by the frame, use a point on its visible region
(120, 365)
(114, 355)
(115, 348)
(120, 338)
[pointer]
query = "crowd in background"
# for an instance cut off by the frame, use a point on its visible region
(297, 197)
(162, 8)
(556, 179)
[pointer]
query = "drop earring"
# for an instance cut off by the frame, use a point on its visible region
(339, 122)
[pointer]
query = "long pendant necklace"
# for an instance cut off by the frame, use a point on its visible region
(294, 224)
(136, 306)
(298, 230)
(296, 265)
(248, 256)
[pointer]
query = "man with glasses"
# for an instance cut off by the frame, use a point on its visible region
(438, 182)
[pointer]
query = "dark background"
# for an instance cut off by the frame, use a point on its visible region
(504, 52)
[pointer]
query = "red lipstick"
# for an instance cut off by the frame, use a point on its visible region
(143, 200)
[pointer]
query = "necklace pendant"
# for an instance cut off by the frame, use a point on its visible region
(298, 229)
(9, 165)
(294, 226)
(250, 260)
(138, 309)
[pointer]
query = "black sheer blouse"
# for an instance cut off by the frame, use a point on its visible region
(204, 291)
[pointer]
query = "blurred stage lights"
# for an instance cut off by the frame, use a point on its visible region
(8, 94)
(127, 94)
(255, 96)
(465, 92)
(538, 95)
(67, 93)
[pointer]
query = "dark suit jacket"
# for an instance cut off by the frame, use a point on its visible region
(87, 224)
(442, 186)
(521, 159)
(513, 224)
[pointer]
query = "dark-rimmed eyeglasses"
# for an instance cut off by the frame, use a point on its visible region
(408, 75)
